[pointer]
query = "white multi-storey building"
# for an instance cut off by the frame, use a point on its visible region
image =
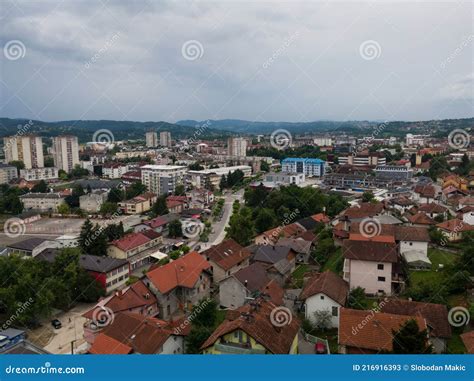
(310, 167)
(65, 152)
(36, 174)
(165, 139)
(415, 140)
(363, 160)
(7, 173)
(323, 142)
(28, 149)
(151, 139)
(162, 179)
(237, 147)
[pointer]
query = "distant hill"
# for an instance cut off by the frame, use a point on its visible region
(397, 128)
(84, 129)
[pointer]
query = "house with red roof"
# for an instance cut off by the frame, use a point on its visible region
(454, 229)
(371, 332)
(180, 284)
(136, 248)
(139, 204)
(324, 293)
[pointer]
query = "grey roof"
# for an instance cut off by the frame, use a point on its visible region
(269, 254)
(11, 332)
(386, 219)
(48, 254)
(254, 276)
(42, 195)
(308, 223)
(416, 256)
(27, 244)
(24, 347)
(100, 264)
(97, 184)
(298, 245)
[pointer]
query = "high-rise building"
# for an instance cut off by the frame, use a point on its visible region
(65, 152)
(28, 149)
(7, 173)
(165, 139)
(237, 147)
(151, 138)
(310, 167)
(163, 179)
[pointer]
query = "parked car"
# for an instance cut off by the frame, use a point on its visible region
(56, 323)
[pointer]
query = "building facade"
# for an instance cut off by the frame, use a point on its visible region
(65, 152)
(165, 139)
(7, 173)
(28, 149)
(162, 179)
(151, 139)
(310, 167)
(36, 174)
(237, 147)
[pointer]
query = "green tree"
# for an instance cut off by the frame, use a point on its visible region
(241, 227)
(108, 208)
(223, 183)
(367, 196)
(135, 189)
(179, 190)
(73, 199)
(64, 209)
(409, 339)
(265, 220)
(159, 207)
(18, 164)
(175, 229)
(356, 299)
(40, 187)
(264, 166)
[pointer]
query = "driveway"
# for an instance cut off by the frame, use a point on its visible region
(58, 341)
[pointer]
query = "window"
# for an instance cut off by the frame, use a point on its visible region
(381, 279)
(322, 297)
(335, 311)
(411, 243)
(380, 266)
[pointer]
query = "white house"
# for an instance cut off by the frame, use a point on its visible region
(411, 238)
(324, 292)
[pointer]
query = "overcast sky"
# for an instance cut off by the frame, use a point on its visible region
(270, 61)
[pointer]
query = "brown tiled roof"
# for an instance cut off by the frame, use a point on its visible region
(136, 295)
(145, 335)
(106, 345)
(183, 272)
(421, 218)
(254, 276)
(321, 217)
(468, 340)
(369, 330)
(425, 190)
(370, 251)
(436, 315)
(257, 324)
(365, 209)
(412, 233)
(455, 225)
(226, 254)
(432, 208)
(327, 283)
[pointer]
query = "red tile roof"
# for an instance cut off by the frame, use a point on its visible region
(421, 218)
(365, 209)
(327, 283)
(183, 272)
(106, 345)
(370, 251)
(369, 330)
(257, 323)
(226, 254)
(468, 340)
(321, 217)
(130, 241)
(436, 315)
(432, 208)
(455, 225)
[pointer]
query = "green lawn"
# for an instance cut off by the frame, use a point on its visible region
(334, 262)
(298, 275)
(455, 344)
(436, 257)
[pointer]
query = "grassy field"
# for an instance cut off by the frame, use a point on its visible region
(436, 274)
(298, 275)
(334, 262)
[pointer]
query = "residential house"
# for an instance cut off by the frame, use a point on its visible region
(270, 237)
(42, 202)
(468, 340)
(435, 315)
(136, 298)
(372, 265)
(411, 238)
(279, 261)
(424, 193)
(136, 248)
(175, 206)
(420, 219)
(466, 214)
(180, 284)
(455, 181)
(29, 247)
(139, 204)
(226, 259)
(251, 329)
(454, 229)
(133, 333)
(363, 210)
(114, 170)
(434, 210)
(370, 332)
(92, 202)
(249, 282)
(200, 198)
(158, 224)
(300, 246)
(324, 293)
